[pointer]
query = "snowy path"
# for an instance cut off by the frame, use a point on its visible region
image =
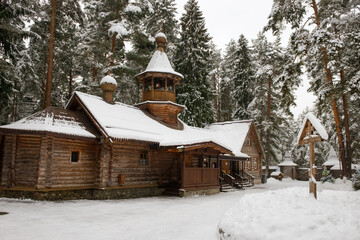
(146, 218)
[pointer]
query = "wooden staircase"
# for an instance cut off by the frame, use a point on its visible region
(230, 183)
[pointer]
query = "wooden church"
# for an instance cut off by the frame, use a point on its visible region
(96, 148)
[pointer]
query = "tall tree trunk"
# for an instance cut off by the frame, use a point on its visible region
(47, 100)
(13, 107)
(332, 97)
(348, 152)
(268, 131)
(70, 83)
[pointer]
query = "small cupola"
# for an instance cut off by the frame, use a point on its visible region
(158, 87)
(159, 78)
(108, 85)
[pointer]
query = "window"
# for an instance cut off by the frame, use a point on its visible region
(143, 159)
(159, 83)
(248, 141)
(254, 163)
(170, 85)
(75, 156)
(148, 84)
(248, 165)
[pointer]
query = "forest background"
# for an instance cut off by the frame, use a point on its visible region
(51, 48)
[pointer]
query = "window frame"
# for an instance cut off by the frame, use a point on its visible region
(144, 162)
(255, 163)
(78, 156)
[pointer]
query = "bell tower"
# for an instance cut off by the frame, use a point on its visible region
(158, 87)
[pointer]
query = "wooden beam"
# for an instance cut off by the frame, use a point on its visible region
(310, 140)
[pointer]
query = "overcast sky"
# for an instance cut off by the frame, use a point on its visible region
(227, 19)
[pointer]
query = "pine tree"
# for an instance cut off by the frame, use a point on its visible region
(192, 60)
(214, 78)
(324, 46)
(243, 80)
(270, 107)
(68, 22)
(227, 74)
(14, 16)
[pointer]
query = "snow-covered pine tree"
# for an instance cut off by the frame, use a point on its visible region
(68, 23)
(192, 60)
(214, 78)
(109, 26)
(267, 109)
(243, 80)
(227, 73)
(321, 41)
(14, 16)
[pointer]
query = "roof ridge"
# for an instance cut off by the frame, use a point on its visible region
(232, 122)
(99, 98)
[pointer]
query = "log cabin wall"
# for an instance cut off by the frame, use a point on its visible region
(6, 153)
(26, 160)
(252, 148)
(126, 161)
(64, 172)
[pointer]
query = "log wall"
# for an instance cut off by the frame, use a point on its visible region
(65, 173)
(126, 161)
(26, 160)
(6, 160)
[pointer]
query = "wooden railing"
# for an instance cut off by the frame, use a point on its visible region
(244, 176)
(198, 177)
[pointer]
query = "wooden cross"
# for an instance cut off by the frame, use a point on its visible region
(307, 136)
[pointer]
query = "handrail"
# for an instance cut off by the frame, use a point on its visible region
(247, 176)
(228, 179)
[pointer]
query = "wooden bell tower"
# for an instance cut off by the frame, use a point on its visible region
(158, 87)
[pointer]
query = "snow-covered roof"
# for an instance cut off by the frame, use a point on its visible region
(233, 134)
(270, 167)
(160, 34)
(275, 174)
(121, 121)
(317, 125)
(160, 63)
(287, 161)
(55, 120)
(108, 79)
(332, 159)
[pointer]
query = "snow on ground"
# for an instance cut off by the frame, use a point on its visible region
(292, 213)
(168, 217)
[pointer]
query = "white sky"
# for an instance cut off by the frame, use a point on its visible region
(227, 19)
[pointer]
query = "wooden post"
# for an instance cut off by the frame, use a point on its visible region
(312, 184)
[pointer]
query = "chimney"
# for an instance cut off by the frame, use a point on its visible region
(108, 85)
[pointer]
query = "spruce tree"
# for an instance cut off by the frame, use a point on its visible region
(243, 80)
(192, 60)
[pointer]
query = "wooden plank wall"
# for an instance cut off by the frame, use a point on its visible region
(65, 173)
(253, 150)
(126, 160)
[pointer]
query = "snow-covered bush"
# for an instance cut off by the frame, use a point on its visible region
(356, 180)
